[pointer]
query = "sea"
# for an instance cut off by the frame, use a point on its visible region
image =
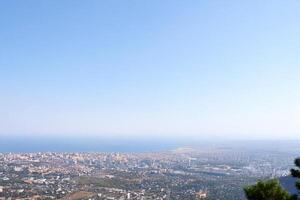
(25, 144)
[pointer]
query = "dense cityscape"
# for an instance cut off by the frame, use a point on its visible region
(183, 173)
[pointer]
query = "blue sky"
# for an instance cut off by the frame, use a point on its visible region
(199, 69)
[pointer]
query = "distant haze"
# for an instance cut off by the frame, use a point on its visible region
(150, 69)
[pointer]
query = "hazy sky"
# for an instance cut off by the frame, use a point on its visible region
(205, 69)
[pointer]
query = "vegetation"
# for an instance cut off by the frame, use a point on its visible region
(296, 172)
(107, 182)
(267, 190)
(271, 189)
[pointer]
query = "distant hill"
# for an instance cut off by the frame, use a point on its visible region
(288, 183)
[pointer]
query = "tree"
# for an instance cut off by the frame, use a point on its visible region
(267, 190)
(296, 172)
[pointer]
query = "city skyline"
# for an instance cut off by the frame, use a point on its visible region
(141, 69)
